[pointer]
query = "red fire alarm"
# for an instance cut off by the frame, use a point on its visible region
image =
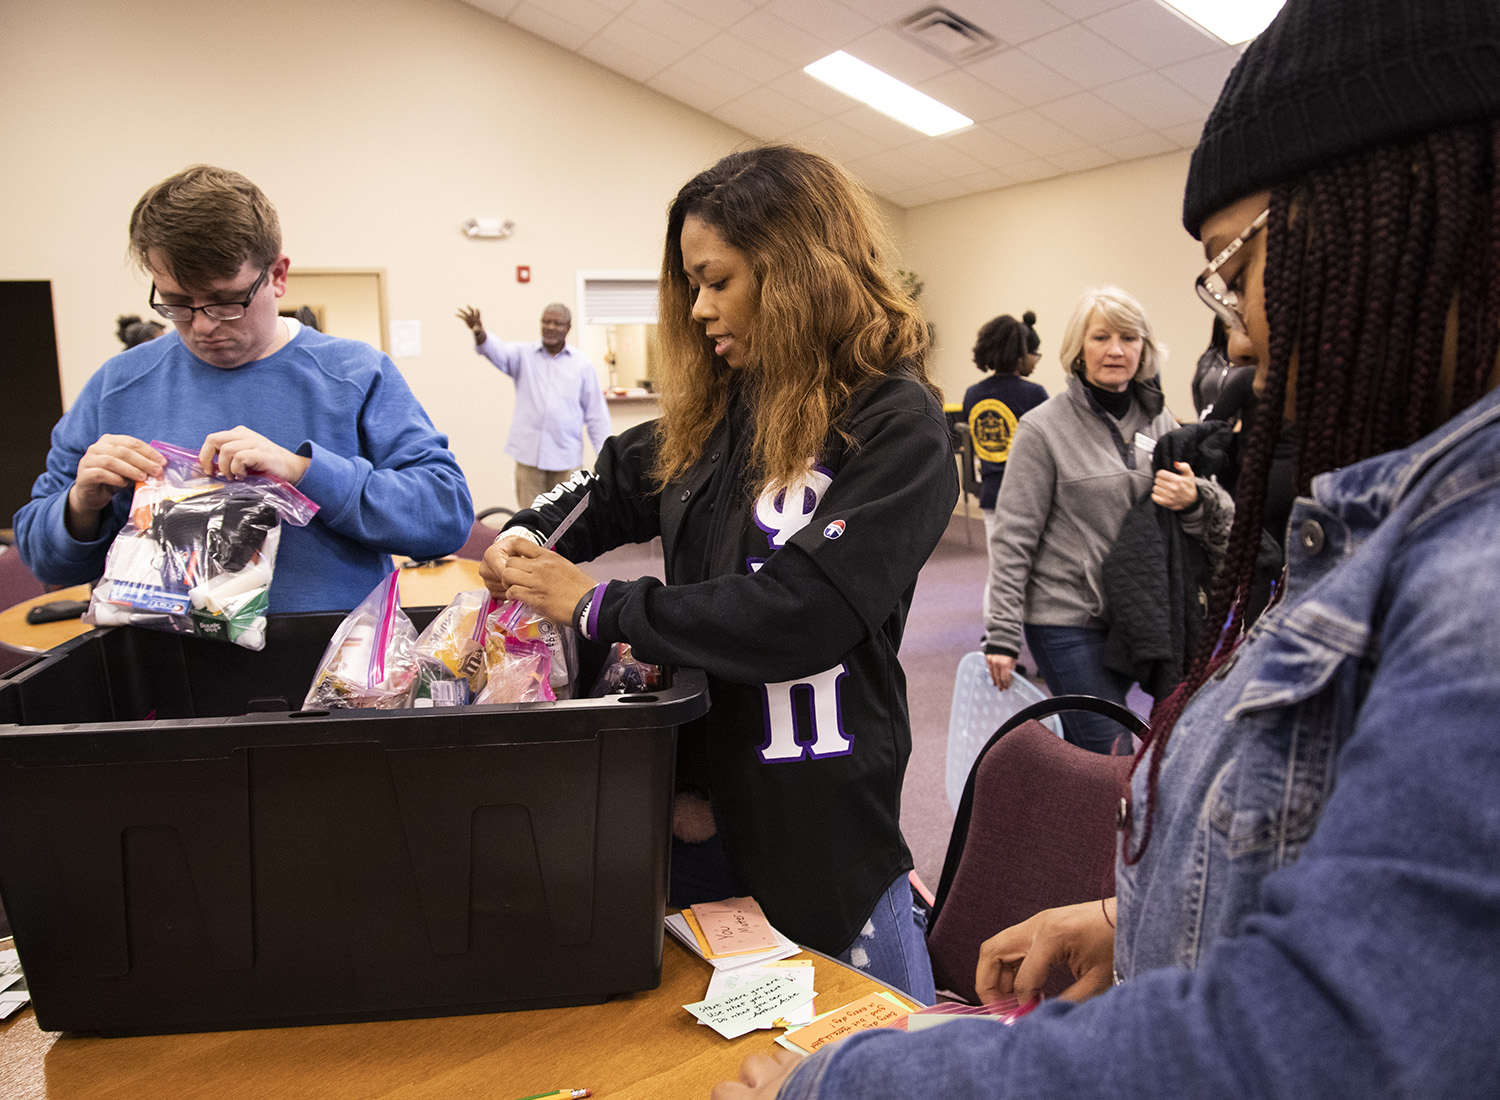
(523, 273)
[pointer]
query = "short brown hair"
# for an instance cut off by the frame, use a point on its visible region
(204, 223)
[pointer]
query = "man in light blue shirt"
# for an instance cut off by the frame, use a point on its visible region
(557, 393)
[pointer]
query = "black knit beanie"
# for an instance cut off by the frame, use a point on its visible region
(1329, 78)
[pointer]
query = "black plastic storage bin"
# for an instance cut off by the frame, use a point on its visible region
(182, 850)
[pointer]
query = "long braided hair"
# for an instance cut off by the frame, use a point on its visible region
(1364, 258)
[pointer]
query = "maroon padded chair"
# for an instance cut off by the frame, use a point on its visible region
(1035, 829)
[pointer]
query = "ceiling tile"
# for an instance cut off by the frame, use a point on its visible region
(699, 83)
(671, 22)
(1083, 56)
(831, 22)
(970, 95)
(991, 179)
(890, 11)
(1081, 160)
(842, 142)
(949, 159)
(1012, 21)
(1031, 170)
(1082, 9)
(1203, 76)
(590, 15)
(637, 38)
(732, 52)
(988, 147)
(898, 56)
(1149, 144)
(785, 113)
(1076, 84)
(1037, 134)
(1023, 78)
(502, 8)
(875, 173)
(1154, 100)
(531, 17)
(818, 97)
(941, 191)
(910, 171)
(867, 120)
(1150, 33)
(787, 41)
(611, 55)
(1186, 136)
(721, 13)
(748, 113)
(1091, 118)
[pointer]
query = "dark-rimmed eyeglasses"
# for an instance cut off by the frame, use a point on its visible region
(218, 311)
(1211, 286)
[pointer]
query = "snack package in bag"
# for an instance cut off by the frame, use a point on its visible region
(371, 658)
(518, 620)
(450, 652)
(198, 552)
(622, 674)
(521, 673)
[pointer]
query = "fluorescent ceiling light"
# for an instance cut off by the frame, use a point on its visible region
(886, 94)
(1234, 21)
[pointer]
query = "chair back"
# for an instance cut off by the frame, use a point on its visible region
(1035, 829)
(17, 582)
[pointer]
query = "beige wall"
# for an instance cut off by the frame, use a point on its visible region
(1039, 246)
(376, 126)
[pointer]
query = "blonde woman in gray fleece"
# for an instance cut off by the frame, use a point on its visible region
(1079, 462)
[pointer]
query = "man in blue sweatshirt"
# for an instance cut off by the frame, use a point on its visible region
(251, 392)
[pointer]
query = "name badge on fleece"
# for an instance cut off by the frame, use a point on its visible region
(1145, 443)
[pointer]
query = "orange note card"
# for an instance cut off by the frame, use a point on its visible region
(734, 926)
(876, 1010)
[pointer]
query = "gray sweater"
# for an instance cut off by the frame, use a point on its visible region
(1074, 473)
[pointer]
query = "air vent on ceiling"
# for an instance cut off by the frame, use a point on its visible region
(947, 34)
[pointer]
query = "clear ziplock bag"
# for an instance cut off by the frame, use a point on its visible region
(198, 552)
(451, 662)
(371, 658)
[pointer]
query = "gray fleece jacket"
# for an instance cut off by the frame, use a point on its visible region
(1074, 473)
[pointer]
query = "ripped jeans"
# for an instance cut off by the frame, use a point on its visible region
(892, 946)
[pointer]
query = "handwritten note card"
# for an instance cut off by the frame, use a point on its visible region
(752, 1006)
(876, 1010)
(798, 970)
(734, 926)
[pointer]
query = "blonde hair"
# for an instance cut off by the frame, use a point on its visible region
(830, 315)
(1120, 311)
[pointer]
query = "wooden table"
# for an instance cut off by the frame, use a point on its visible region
(428, 586)
(638, 1047)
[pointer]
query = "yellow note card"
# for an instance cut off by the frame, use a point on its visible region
(734, 926)
(876, 1010)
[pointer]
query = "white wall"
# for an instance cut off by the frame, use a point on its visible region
(376, 127)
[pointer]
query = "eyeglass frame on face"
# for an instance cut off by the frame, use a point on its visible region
(1212, 289)
(173, 312)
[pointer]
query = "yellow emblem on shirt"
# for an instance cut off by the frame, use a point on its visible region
(993, 426)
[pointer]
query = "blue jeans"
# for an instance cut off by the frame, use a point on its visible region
(1071, 660)
(892, 946)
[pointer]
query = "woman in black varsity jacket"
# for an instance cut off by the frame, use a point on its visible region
(799, 476)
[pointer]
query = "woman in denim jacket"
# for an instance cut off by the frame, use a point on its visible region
(1309, 888)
